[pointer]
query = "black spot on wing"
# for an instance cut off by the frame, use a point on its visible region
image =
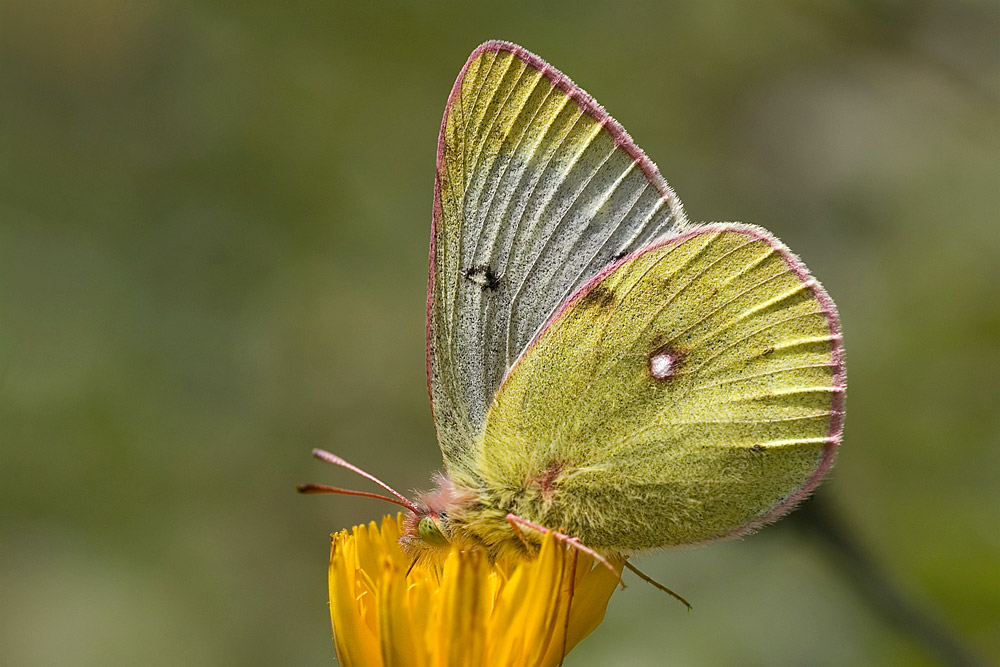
(483, 275)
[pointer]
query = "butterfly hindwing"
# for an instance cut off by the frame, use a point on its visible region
(537, 191)
(691, 392)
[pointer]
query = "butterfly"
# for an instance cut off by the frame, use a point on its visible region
(600, 367)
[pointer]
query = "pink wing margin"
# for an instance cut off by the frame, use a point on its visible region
(588, 104)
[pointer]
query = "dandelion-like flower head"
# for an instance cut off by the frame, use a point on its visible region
(388, 610)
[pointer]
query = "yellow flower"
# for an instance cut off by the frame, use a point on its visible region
(466, 611)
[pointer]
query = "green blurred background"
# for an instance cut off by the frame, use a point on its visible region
(213, 243)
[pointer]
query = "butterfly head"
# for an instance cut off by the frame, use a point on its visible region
(431, 527)
(434, 520)
(426, 531)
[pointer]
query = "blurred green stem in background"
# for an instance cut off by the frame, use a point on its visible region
(820, 521)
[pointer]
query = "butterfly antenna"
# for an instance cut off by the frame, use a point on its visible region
(336, 460)
(323, 488)
(653, 582)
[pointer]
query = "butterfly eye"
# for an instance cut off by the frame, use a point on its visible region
(430, 532)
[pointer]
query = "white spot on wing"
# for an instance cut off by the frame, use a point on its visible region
(661, 365)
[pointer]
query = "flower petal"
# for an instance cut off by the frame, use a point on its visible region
(464, 609)
(354, 641)
(402, 645)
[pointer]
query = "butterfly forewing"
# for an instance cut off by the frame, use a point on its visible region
(537, 190)
(690, 393)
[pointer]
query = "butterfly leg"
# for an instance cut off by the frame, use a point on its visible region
(574, 542)
(517, 531)
(655, 584)
(569, 605)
